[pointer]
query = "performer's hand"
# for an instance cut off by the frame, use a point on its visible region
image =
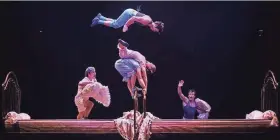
(145, 93)
(181, 83)
(125, 28)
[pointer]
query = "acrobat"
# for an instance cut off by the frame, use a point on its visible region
(133, 65)
(127, 18)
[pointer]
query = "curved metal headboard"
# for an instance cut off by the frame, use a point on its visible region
(269, 93)
(11, 94)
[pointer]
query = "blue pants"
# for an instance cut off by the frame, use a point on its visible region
(126, 67)
(122, 19)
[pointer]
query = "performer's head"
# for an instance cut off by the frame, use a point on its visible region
(151, 67)
(90, 73)
(157, 26)
(122, 44)
(191, 94)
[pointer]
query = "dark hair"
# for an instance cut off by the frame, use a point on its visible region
(123, 42)
(89, 70)
(192, 90)
(152, 69)
(160, 26)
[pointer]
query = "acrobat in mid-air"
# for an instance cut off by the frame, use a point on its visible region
(127, 18)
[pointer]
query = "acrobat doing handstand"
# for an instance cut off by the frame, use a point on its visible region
(133, 65)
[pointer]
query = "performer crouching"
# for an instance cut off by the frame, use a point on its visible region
(89, 87)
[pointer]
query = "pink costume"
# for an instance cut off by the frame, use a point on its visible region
(95, 90)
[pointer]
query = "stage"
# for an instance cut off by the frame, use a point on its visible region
(133, 124)
(157, 126)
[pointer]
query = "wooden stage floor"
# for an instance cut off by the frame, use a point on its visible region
(158, 126)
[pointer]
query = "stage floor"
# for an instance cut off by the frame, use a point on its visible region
(158, 126)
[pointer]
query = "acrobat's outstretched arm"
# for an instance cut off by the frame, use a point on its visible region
(181, 95)
(131, 21)
(144, 75)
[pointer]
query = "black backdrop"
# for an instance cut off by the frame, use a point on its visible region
(216, 47)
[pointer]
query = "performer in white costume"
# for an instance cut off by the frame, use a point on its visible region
(89, 87)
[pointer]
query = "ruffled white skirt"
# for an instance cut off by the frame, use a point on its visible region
(98, 92)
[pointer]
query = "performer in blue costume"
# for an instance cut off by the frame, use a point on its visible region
(128, 70)
(192, 105)
(127, 18)
(130, 67)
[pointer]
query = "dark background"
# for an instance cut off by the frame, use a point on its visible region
(216, 47)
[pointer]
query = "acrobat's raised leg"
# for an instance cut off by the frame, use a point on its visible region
(114, 23)
(101, 17)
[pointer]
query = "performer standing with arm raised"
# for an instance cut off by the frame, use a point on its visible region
(193, 105)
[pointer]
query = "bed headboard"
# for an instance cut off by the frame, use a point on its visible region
(269, 93)
(11, 94)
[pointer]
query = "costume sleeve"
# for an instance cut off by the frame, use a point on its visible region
(84, 81)
(202, 105)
